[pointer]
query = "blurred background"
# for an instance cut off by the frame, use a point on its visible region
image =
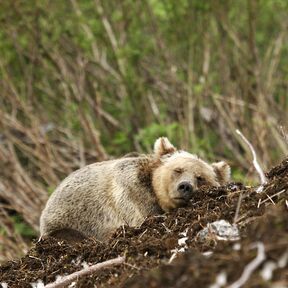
(84, 81)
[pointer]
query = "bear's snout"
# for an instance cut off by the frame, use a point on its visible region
(185, 190)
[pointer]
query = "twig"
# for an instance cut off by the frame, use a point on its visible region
(270, 199)
(132, 266)
(173, 256)
(142, 234)
(251, 267)
(86, 271)
(238, 208)
(167, 229)
(272, 196)
(255, 162)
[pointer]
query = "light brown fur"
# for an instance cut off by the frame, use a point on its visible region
(97, 199)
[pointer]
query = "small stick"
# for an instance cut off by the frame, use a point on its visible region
(255, 162)
(86, 271)
(270, 199)
(251, 267)
(237, 208)
(173, 256)
(272, 196)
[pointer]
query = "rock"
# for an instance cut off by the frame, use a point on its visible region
(219, 230)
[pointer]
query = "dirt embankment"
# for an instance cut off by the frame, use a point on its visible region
(167, 251)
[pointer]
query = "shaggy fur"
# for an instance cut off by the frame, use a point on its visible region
(98, 198)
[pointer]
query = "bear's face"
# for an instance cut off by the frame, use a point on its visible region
(180, 175)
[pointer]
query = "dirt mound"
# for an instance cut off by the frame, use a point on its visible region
(153, 251)
(228, 260)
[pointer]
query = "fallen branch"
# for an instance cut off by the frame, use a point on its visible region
(251, 267)
(255, 162)
(86, 271)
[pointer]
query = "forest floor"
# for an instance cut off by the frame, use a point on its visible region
(170, 251)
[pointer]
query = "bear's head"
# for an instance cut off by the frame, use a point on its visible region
(180, 174)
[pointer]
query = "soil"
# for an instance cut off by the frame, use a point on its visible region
(260, 217)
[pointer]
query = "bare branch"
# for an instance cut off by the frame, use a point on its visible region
(86, 271)
(251, 267)
(255, 162)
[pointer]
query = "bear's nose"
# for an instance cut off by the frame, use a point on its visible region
(185, 189)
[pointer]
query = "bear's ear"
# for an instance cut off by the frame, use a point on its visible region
(223, 172)
(163, 146)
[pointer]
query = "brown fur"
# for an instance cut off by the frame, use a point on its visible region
(98, 198)
(182, 168)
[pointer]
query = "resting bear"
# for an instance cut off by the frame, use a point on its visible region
(97, 199)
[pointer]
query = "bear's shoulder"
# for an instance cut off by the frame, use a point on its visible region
(139, 168)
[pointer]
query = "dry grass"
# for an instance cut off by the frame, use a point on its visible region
(62, 101)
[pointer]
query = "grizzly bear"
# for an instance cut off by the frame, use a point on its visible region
(97, 199)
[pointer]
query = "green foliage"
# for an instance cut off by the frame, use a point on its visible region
(119, 145)
(143, 43)
(50, 190)
(22, 228)
(2, 232)
(238, 175)
(146, 136)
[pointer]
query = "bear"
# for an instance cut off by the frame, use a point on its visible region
(98, 198)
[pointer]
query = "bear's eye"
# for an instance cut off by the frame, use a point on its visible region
(201, 180)
(178, 170)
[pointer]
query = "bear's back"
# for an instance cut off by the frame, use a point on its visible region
(99, 197)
